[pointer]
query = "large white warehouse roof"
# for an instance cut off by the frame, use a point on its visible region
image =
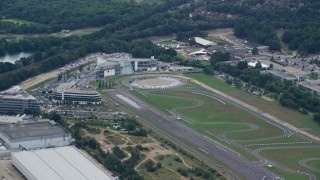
(63, 163)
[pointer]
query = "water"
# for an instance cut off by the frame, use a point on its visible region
(13, 57)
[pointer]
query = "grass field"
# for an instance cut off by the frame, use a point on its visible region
(314, 163)
(115, 139)
(161, 173)
(213, 112)
(77, 32)
(272, 107)
(287, 175)
(291, 157)
(211, 117)
(18, 21)
(169, 161)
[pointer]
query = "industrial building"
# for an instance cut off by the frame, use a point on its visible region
(204, 43)
(34, 135)
(70, 93)
(312, 86)
(289, 74)
(111, 66)
(16, 100)
(63, 163)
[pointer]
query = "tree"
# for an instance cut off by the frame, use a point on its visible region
(150, 166)
(118, 152)
(271, 66)
(255, 51)
(59, 76)
(219, 56)
(316, 117)
(242, 65)
(258, 65)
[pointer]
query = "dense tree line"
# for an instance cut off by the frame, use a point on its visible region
(255, 31)
(10, 27)
(300, 22)
(62, 14)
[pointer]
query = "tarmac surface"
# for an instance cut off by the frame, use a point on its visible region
(201, 146)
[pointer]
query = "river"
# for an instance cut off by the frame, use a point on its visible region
(13, 57)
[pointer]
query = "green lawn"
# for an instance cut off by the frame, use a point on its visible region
(169, 161)
(149, 101)
(214, 111)
(18, 21)
(314, 163)
(77, 32)
(171, 102)
(272, 107)
(291, 157)
(217, 128)
(292, 138)
(286, 175)
(162, 173)
(115, 139)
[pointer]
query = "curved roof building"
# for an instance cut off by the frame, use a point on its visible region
(68, 92)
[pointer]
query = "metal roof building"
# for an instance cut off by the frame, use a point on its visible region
(69, 92)
(63, 163)
(32, 135)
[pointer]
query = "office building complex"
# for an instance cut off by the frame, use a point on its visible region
(16, 100)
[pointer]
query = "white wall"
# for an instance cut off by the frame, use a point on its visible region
(39, 143)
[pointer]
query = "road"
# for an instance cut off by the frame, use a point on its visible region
(185, 136)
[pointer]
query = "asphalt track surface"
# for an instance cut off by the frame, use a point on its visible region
(303, 163)
(184, 136)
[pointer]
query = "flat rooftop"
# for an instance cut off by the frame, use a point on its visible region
(69, 87)
(130, 59)
(19, 132)
(285, 75)
(63, 163)
(295, 71)
(312, 85)
(15, 93)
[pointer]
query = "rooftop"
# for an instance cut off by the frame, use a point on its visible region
(313, 85)
(70, 87)
(15, 93)
(20, 132)
(63, 163)
(283, 74)
(203, 42)
(295, 71)
(10, 119)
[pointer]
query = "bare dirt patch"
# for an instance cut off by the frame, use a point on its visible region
(38, 79)
(267, 98)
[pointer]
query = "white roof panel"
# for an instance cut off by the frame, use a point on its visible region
(203, 42)
(66, 163)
